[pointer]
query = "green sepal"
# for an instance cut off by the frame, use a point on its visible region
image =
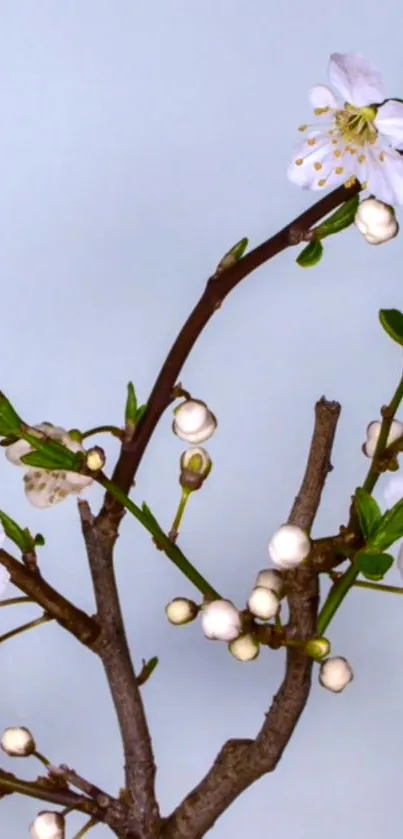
(310, 255)
(392, 322)
(390, 528)
(131, 406)
(340, 220)
(10, 422)
(368, 512)
(373, 565)
(52, 455)
(232, 256)
(20, 536)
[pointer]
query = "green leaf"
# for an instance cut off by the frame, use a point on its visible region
(232, 256)
(340, 220)
(390, 528)
(311, 255)
(392, 322)
(21, 537)
(147, 512)
(140, 413)
(131, 405)
(51, 454)
(374, 565)
(368, 511)
(10, 422)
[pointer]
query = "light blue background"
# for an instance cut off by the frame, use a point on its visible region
(139, 141)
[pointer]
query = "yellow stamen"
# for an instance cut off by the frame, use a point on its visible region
(339, 170)
(311, 141)
(351, 181)
(299, 162)
(382, 156)
(319, 111)
(361, 158)
(337, 153)
(302, 127)
(322, 182)
(318, 166)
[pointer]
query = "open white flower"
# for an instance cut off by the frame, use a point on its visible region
(373, 432)
(44, 487)
(357, 137)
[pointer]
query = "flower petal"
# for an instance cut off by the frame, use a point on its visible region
(355, 80)
(321, 96)
(304, 173)
(45, 489)
(393, 491)
(16, 451)
(5, 578)
(386, 177)
(389, 121)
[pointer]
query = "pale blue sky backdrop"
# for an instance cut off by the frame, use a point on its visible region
(138, 142)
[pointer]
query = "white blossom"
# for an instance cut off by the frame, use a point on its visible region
(44, 487)
(263, 603)
(193, 421)
(335, 674)
(376, 221)
(357, 134)
(221, 620)
(181, 610)
(245, 647)
(17, 742)
(48, 825)
(289, 546)
(373, 431)
(271, 579)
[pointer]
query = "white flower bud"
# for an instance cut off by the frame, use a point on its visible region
(18, 742)
(263, 603)
(373, 431)
(271, 579)
(376, 221)
(193, 421)
(335, 674)
(95, 459)
(181, 610)
(48, 825)
(244, 648)
(317, 648)
(289, 546)
(221, 621)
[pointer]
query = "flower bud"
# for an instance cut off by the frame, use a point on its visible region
(373, 432)
(181, 610)
(245, 647)
(95, 459)
(273, 580)
(376, 221)
(195, 467)
(289, 546)
(263, 603)
(335, 674)
(193, 421)
(18, 742)
(317, 648)
(221, 621)
(48, 825)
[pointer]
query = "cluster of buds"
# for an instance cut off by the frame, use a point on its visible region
(376, 221)
(289, 547)
(373, 432)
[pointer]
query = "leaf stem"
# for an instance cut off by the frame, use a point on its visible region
(14, 601)
(25, 628)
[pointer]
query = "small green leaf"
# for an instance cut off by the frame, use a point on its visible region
(20, 536)
(131, 406)
(368, 511)
(374, 565)
(390, 528)
(340, 220)
(147, 669)
(140, 413)
(52, 455)
(39, 540)
(10, 422)
(310, 255)
(392, 322)
(232, 256)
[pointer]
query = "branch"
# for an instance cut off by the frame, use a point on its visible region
(242, 762)
(54, 604)
(45, 790)
(113, 650)
(217, 289)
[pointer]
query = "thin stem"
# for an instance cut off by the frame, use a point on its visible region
(163, 541)
(335, 598)
(14, 601)
(373, 586)
(103, 429)
(85, 828)
(174, 531)
(42, 758)
(25, 628)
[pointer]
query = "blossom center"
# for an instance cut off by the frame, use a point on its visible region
(357, 124)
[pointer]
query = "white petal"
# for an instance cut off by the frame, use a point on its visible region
(76, 482)
(393, 491)
(387, 177)
(45, 489)
(304, 174)
(389, 121)
(321, 96)
(355, 80)
(16, 451)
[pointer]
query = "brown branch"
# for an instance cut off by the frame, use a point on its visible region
(217, 289)
(53, 603)
(71, 777)
(242, 762)
(45, 790)
(112, 647)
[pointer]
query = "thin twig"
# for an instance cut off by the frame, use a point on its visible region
(71, 777)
